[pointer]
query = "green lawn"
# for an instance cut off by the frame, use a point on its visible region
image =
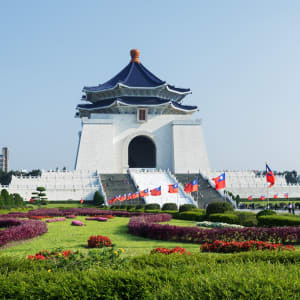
(63, 235)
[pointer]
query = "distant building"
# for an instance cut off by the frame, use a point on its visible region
(4, 160)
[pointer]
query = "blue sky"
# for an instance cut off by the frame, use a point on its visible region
(240, 58)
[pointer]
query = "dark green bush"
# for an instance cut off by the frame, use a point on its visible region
(191, 215)
(247, 219)
(277, 220)
(224, 218)
(153, 211)
(170, 206)
(140, 206)
(266, 212)
(186, 207)
(98, 199)
(151, 206)
(218, 208)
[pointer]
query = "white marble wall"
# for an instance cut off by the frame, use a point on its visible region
(105, 139)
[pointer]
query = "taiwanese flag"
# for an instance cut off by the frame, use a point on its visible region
(117, 198)
(173, 188)
(286, 195)
(123, 198)
(270, 176)
(250, 197)
(275, 196)
(194, 185)
(156, 191)
(81, 201)
(129, 196)
(220, 182)
(144, 193)
(262, 198)
(135, 195)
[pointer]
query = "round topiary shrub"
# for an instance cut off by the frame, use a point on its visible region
(170, 206)
(152, 206)
(218, 208)
(265, 212)
(99, 241)
(186, 207)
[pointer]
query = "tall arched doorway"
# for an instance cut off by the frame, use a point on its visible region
(141, 153)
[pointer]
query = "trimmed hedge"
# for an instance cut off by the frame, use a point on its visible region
(266, 212)
(224, 218)
(192, 215)
(247, 219)
(186, 207)
(218, 208)
(277, 220)
(151, 206)
(170, 206)
(20, 230)
(146, 228)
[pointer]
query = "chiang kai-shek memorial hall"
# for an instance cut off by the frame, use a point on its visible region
(136, 120)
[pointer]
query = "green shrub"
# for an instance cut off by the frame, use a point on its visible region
(186, 207)
(98, 199)
(247, 219)
(170, 206)
(218, 208)
(140, 206)
(153, 211)
(224, 218)
(191, 215)
(151, 206)
(266, 212)
(277, 220)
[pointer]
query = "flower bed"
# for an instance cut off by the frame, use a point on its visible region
(20, 230)
(218, 225)
(71, 216)
(142, 226)
(51, 255)
(170, 251)
(99, 241)
(77, 223)
(101, 219)
(230, 247)
(39, 217)
(55, 220)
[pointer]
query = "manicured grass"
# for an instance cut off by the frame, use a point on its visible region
(64, 235)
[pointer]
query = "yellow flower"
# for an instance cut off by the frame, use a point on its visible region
(116, 252)
(49, 270)
(121, 249)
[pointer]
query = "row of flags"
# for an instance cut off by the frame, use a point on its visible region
(172, 188)
(220, 183)
(286, 195)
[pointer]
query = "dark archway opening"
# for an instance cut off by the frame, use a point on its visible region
(141, 153)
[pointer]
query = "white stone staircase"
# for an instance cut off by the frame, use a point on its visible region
(152, 178)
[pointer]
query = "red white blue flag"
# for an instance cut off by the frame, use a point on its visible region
(144, 193)
(275, 196)
(156, 191)
(173, 188)
(192, 186)
(220, 182)
(270, 176)
(262, 198)
(286, 195)
(250, 197)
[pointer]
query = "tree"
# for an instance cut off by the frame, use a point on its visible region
(40, 196)
(98, 199)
